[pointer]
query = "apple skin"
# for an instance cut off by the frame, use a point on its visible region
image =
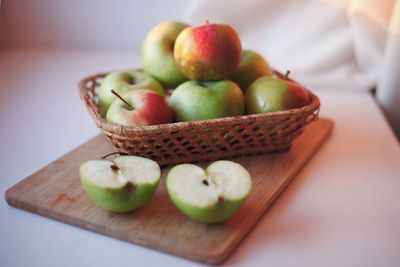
(149, 109)
(212, 214)
(252, 66)
(122, 197)
(268, 94)
(157, 53)
(122, 82)
(208, 52)
(194, 100)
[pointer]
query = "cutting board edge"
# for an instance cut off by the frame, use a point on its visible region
(220, 258)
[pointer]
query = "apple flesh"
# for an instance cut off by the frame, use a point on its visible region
(208, 52)
(145, 108)
(196, 100)
(122, 82)
(211, 195)
(252, 66)
(122, 184)
(157, 54)
(269, 94)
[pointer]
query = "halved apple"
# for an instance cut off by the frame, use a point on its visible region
(122, 184)
(209, 195)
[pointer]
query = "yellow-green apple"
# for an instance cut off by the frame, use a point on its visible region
(122, 82)
(139, 107)
(122, 184)
(211, 195)
(208, 52)
(157, 54)
(268, 94)
(252, 66)
(196, 100)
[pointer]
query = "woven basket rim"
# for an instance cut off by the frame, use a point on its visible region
(116, 128)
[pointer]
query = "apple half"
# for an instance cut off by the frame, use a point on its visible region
(209, 195)
(122, 184)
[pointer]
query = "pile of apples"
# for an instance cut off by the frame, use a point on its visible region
(208, 73)
(210, 76)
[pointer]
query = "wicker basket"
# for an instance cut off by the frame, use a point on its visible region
(205, 140)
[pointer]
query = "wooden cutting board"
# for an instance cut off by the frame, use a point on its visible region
(55, 192)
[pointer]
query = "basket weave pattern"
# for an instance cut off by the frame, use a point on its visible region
(205, 140)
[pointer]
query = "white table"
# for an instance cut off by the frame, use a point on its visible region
(341, 210)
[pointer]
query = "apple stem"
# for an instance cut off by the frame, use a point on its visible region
(123, 100)
(114, 153)
(221, 199)
(286, 75)
(207, 21)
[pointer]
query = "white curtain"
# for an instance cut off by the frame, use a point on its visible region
(347, 45)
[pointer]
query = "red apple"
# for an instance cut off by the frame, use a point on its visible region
(208, 52)
(139, 107)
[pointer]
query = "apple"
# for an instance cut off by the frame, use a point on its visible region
(211, 195)
(122, 184)
(208, 52)
(122, 82)
(195, 100)
(157, 54)
(139, 107)
(252, 66)
(268, 94)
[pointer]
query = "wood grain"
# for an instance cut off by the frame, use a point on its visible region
(55, 192)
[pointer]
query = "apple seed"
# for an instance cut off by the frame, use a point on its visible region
(205, 182)
(130, 186)
(114, 167)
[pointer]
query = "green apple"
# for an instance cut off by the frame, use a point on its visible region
(195, 100)
(139, 107)
(211, 195)
(268, 94)
(208, 52)
(157, 54)
(252, 66)
(122, 184)
(122, 82)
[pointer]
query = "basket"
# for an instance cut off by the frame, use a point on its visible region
(205, 140)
